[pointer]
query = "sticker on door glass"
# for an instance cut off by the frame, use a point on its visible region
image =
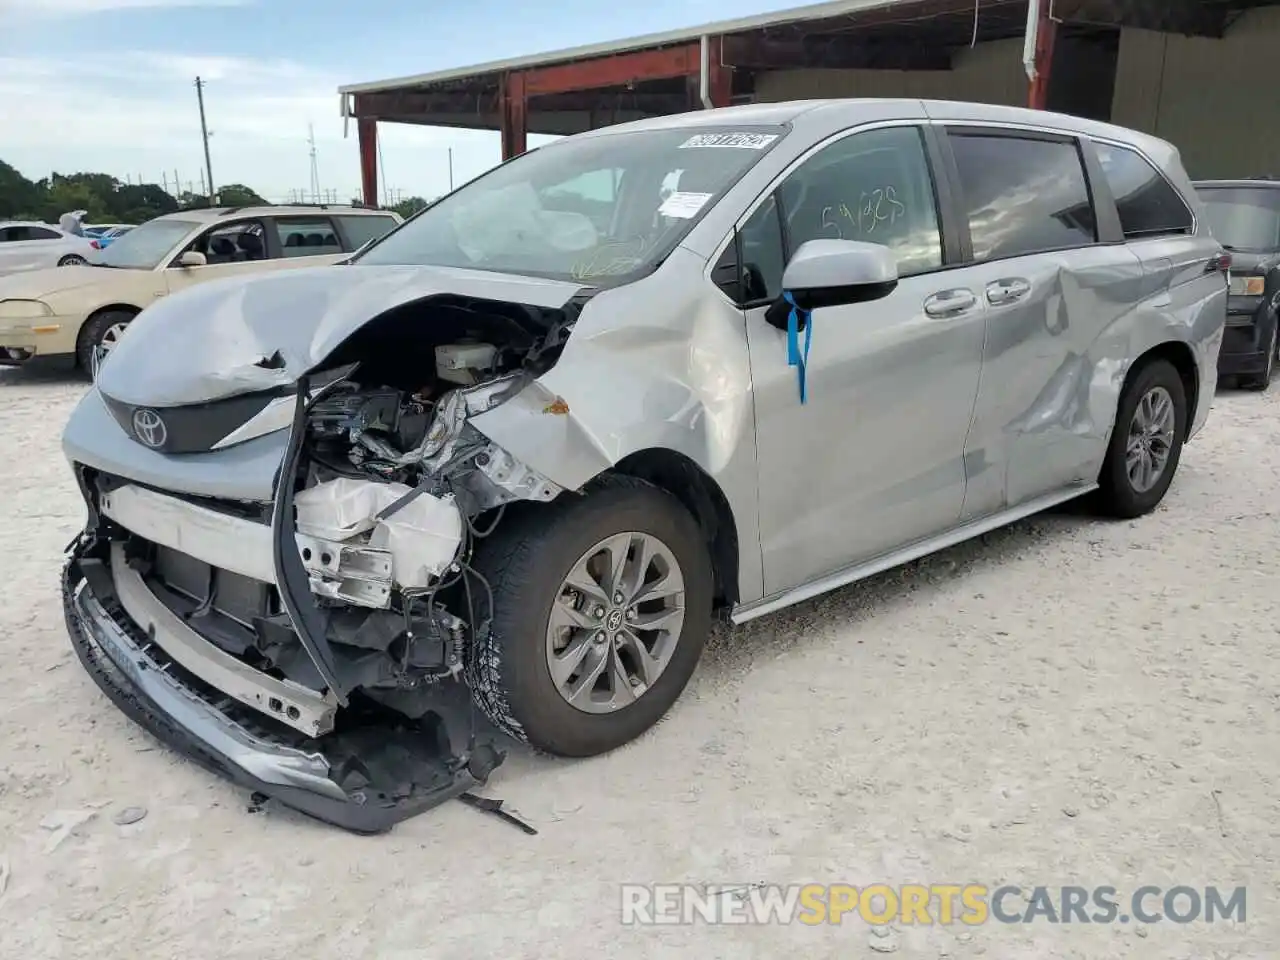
(683, 206)
(742, 141)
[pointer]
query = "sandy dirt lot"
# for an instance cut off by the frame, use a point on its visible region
(1065, 702)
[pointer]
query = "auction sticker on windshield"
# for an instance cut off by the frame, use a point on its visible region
(683, 206)
(743, 141)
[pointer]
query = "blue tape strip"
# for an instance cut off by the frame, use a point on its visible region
(794, 356)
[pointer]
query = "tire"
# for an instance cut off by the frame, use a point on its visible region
(1262, 381)
(72, 260)
(1118, 495)
(92, 334)
(526, 562)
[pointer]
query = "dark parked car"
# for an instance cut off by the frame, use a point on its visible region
(1244, 216)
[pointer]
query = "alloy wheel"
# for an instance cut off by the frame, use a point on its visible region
(1150, 441)
(615, 622)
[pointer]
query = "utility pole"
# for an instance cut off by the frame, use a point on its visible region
(204, 134)
(386, 193)
(315, 169)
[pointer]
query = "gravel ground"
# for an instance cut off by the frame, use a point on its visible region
(1065, 702)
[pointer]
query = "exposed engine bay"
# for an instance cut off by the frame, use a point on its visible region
(392, 490)
(351, 600)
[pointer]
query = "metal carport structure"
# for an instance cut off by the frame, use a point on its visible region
(744, 60)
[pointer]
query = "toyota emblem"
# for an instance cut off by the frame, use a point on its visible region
(149, 428)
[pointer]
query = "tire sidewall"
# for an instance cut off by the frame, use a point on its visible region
(92, 332)
(1158, 373)
(1273, 344)
(518, 631)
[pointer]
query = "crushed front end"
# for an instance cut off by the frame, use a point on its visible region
(308, 640)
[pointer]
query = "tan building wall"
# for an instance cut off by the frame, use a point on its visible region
(1217, 100)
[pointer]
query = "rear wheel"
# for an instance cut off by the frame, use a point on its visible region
(1146, 443)
(101, 331)
(602, 605)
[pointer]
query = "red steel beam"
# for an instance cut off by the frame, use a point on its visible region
(613, 71)
(1046, 34)
(367, 130)
(720, 76)
(514, 115)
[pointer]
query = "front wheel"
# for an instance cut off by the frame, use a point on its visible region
(1146, 442)
(72, 260)
(602, 605)
(98, 337)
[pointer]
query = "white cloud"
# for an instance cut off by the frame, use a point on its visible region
(134, 114)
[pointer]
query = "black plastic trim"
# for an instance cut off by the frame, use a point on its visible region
(359, 812)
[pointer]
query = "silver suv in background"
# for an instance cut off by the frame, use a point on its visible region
(519, 451)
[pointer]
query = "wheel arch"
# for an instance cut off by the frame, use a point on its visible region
(1183, 359)
(681, 477)
(128, 308)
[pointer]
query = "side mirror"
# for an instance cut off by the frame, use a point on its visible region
(193, 258)
(835, 273)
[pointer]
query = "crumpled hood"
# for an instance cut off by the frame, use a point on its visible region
(211, 340)
(37, 284)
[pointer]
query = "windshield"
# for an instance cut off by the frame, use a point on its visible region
(1243, 218)
(597, 209)
(142, 248)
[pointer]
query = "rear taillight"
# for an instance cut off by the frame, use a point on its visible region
(1219, 264)
(95, 244)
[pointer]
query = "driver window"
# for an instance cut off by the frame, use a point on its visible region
(874, 187)
(239, 242)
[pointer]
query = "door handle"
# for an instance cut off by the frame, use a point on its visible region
(950, 303)
(1007, 291)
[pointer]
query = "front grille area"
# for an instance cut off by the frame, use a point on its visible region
(222, 606)
(254, 722)
(193, 428)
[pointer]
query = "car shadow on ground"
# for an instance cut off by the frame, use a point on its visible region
(36, 373)
(758, 641)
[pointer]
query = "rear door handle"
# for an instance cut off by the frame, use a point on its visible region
(950, 303)
(1007, 291)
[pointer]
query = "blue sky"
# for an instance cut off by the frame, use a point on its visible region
(106, 85)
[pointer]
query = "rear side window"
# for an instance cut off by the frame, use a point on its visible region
(15, 234)
(360, 230)
(307, 238)
(1147, 203)
(1023, 195)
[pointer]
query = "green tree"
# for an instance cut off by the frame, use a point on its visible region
(408, 207)
(104, 198)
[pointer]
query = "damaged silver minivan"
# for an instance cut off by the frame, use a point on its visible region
(499, 471)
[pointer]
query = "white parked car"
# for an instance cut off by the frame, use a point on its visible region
(34, 246)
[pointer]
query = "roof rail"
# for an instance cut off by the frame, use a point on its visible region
(228, 211)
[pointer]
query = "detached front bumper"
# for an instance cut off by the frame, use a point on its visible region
(364, 780)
